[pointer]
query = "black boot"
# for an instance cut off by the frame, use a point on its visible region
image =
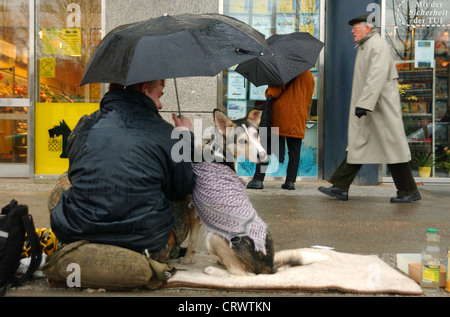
(335, 192)
(288, 185)
(255, 184)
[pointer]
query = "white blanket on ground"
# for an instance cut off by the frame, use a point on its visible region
(323, 270)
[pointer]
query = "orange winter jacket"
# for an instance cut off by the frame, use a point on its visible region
(290, 108)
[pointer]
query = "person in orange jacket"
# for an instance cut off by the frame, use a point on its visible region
(289, 112)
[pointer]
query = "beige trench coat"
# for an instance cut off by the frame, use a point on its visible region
(378, 137)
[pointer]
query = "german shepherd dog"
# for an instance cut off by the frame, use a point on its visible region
(240, 256)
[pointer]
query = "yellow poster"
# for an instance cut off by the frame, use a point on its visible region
(308, 6)
(307, 28)
(50, 41)
(286, 6)
(54, 122)
(47, 67)
(71, 41)
(237, 6)
(261, 6)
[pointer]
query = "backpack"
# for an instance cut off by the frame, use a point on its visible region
(15, 222)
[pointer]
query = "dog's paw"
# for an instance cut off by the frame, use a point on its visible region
(211, 270)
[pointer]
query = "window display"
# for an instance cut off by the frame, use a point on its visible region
(239, 95)
(418, 34)
(14, 102)
(68, 32)
(42, 60)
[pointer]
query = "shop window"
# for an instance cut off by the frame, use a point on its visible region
(239, 95)
(68, 33)
(14, 106)
(418, 32)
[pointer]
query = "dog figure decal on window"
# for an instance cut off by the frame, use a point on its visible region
(59, 130)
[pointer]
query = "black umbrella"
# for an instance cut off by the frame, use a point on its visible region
(173, 46)
(292, 54)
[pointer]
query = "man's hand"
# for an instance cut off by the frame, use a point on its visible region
(359, 112)
(184, 122)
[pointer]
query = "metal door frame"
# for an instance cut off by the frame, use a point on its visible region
(24, 169)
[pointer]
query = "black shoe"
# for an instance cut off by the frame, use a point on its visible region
(406, 199)
(335, 192)
(288, 186)
(255, 184)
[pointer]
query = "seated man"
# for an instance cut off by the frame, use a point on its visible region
(122, 180)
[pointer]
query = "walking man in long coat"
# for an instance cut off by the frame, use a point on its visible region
(375, 133)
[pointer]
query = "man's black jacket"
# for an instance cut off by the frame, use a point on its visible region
(123, 176)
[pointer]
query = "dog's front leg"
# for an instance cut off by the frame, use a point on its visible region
(189, 257)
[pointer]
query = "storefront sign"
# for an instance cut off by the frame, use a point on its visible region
(423, 13)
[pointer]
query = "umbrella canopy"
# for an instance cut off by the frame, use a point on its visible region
(292, 54)
(173, 46)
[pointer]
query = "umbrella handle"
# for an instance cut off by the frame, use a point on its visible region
(178, 100)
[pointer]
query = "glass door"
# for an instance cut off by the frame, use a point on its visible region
(67, 32)
(239, 95)
(15, 65)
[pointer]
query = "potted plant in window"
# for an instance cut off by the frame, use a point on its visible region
(424, 161)
(446, 164)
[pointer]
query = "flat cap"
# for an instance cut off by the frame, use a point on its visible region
(358, 19)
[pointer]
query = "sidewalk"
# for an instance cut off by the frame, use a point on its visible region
(366, 224)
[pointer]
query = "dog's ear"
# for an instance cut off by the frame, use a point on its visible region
(254, 116)
(222, 121)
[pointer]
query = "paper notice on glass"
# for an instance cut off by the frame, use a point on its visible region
(309, 22)
(71, 41)
(262, 6)
(314, 96)
(286, 6)
(237, 86)
(424, 51)
(258, 93)
(51, 43)
(285, 24)
(242, 18)
(239, 6)
(236, 109)
(308, 6)
(47, 66)
(262, 23)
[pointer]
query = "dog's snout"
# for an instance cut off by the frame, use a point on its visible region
(263, 157)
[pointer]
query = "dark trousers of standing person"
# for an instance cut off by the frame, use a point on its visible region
(401, 174)
(294, 147)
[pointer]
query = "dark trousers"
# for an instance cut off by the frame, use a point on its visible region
(294, 147)
(401, 174)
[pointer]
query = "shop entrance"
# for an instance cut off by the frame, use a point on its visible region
(15, 103)
(44, 48)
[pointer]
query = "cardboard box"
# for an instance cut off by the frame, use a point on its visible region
(414, 273)
(403, 259)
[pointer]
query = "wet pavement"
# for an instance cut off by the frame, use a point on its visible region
(365, 224)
